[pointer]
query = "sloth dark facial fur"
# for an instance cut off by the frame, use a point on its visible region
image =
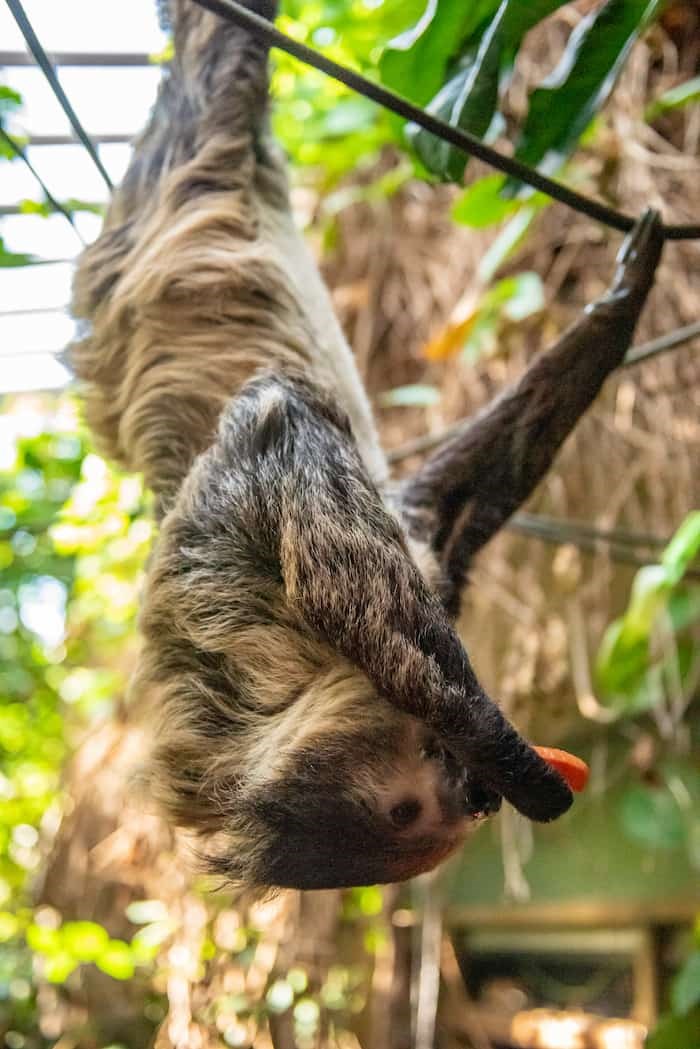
(311, 713)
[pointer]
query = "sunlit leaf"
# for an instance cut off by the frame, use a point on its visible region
(84, 940)
(9, 926)
(116, 960)
(507, 242)
(450, 339)
(481, 205)
(683, 548)
(675, 98)
(59, 966)
(44, 940)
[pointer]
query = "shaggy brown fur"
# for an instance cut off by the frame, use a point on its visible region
(314, 714)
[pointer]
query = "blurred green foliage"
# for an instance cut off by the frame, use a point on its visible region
(73, 537)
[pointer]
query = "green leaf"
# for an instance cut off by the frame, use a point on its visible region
(10, 100)
(44, 940)
(650, 589)
(562, 107)
(685, 990)
(481, 204)
(676, 1032)
(416, 395)
(12, 259)
(651, 816)
(675, 98)
(59, 966)
(521, 296)
(116, 960)
(9, 926)
(45, 208)
(415, 63)
(507, 241)
(623, 669)
(684, 607)
(469, 99)
(84, 940)
(683, 548)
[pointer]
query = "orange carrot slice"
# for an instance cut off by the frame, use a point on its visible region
(569, 767)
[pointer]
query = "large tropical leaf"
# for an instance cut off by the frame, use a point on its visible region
(469, 99)
(563, 105)
(415, 63)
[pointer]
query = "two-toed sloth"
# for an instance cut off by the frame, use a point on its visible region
(313, 714)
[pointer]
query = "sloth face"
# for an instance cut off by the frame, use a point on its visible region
(353, 809)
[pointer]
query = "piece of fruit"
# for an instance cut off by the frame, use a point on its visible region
(569, 767)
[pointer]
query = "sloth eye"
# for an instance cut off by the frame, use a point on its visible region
(405, 813)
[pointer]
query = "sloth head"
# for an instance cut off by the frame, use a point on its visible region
(317, 720)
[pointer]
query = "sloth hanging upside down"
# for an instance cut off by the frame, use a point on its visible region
(313, 715)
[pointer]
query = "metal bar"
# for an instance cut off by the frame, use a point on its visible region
(42, 60)
(32, 311)
(80, 58)
(664, 342)
(116, 138)
(56, 204)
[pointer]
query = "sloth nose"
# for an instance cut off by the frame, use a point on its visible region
(480, 802)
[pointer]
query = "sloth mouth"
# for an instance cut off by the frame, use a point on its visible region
(475, 800)
(423, 860)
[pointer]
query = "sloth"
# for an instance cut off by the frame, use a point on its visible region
(312, 714)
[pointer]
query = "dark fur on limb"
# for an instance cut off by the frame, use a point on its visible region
(311, 712)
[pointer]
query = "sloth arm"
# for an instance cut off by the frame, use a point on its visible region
(469, 488)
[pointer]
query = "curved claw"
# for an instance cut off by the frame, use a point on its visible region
(637, 260)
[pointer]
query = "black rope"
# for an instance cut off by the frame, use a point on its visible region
(564, 529)
(588, 539)
(44, 63)
(664, 342)
(233, 11)
(55, 204)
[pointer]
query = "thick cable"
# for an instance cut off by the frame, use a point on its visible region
(55, 204)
